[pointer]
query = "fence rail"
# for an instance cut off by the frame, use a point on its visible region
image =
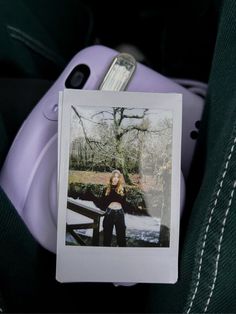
(92, 213)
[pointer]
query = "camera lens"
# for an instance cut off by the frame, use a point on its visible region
(78, 77)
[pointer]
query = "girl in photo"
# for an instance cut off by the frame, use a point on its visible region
(113, 201)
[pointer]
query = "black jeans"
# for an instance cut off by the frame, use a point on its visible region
(114, 218)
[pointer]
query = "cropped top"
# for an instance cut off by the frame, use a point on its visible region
(104, 201)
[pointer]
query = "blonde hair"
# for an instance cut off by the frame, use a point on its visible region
(119, 188)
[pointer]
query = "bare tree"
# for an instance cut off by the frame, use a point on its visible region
(115, 126)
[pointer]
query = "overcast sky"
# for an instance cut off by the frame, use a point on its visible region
(87, 112)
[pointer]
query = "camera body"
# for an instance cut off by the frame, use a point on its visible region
(29, 174)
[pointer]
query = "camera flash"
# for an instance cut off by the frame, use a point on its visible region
(119, 73)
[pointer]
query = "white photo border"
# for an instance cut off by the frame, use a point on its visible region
(109, 264)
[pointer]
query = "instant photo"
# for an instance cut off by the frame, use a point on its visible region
(119, 186)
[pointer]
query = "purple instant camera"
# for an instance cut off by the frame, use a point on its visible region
(29, 175)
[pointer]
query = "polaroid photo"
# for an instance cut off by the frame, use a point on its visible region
(119, 175)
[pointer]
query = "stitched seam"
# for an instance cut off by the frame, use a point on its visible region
(32, 43)
(208, 226)
(219, 247)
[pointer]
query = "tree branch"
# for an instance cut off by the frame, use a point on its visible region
(136, 116)
(121, 111)
(99, 123)
(134, 127)
(88, 141)
(140, 129)
(101, 112)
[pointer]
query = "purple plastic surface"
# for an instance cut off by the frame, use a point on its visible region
(29, 174)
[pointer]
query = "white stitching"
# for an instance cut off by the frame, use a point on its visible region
(219, 248)
(208, 226)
